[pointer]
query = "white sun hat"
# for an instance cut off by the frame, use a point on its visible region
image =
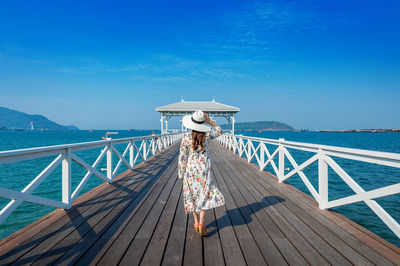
(196, 121)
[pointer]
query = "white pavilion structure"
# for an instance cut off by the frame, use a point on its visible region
(182, 108)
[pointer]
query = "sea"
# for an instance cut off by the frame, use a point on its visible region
(369, 176)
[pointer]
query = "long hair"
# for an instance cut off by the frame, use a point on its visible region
(198, 139)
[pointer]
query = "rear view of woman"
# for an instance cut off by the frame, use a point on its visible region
(199, 192)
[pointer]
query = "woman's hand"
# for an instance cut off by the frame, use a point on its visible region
(209, 121)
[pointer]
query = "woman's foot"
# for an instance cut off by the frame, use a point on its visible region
(202, 230)
(196, 228)
(196, 222)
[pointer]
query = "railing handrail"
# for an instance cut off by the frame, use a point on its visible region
(78, 145)
(316, 147)
(323, 156)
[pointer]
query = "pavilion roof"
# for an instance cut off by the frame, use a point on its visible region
(191, 106)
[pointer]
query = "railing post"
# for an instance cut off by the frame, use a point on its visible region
(145, 149)
(66, 179)
(249, 143)
(262, 155)
(322, 180)
(153, 146)
(110, 162)
(131, 154)
(162, 139)
(281, 169)
(235, 145)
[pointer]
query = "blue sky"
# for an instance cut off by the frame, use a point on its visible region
(108, 64)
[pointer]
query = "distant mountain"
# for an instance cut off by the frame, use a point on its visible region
(260, 125)
(18, 120)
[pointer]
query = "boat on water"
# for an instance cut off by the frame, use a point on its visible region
(108, 135)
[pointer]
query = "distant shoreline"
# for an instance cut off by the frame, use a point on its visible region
(379, 130)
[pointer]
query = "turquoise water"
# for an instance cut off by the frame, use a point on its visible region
(369, 176)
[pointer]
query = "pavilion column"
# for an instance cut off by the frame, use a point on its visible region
(233, 124)
(166, 125)
(162, 124)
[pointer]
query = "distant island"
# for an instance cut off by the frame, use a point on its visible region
(259, 126)
(12, 119)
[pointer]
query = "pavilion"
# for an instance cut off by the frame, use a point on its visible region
(182, 108)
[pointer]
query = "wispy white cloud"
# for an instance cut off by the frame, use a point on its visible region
(152, 79)
(176, 69)
(260, 25)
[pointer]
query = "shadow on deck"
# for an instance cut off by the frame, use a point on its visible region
(139, 219)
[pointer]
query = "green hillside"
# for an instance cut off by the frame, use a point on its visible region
(14, 119)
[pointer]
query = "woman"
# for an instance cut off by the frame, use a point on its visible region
(199, 192)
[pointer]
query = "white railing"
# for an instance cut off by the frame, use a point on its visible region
(150, 145)
(323, 154)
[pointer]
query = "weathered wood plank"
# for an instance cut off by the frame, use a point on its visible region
(97, 250)
(173, 254)
(232, 252)
(193, 245)
(155, 249)
(122, 242)
(212, 243)
(249, 247)
(136, 249)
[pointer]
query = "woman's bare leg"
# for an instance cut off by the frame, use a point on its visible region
(196, 219)
(202, 214)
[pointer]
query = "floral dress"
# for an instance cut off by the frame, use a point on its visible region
(199, 192)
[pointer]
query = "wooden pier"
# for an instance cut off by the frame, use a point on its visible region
(139, 219)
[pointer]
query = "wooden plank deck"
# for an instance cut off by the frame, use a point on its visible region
(139, 219)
